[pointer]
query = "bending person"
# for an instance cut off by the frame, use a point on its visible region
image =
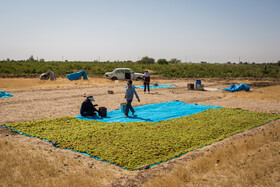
(48, 75)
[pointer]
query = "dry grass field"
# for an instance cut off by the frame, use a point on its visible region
(251, 158)
(24, 165)
(31, 83)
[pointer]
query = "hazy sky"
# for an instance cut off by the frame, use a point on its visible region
(190, 30)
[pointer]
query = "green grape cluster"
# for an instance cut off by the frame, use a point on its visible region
(131, 145)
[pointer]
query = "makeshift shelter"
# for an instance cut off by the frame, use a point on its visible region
(77, 75)
(48, 75)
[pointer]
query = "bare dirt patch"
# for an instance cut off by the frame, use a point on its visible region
(35, 99)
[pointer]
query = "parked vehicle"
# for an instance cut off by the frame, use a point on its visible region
(124, 74)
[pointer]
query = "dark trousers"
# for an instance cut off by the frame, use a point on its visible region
(88, 113)
(128, 107)
(146, 84)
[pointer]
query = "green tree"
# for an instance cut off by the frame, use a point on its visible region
(174, 61)
(162, 61)
(147, 60)
(31, 58)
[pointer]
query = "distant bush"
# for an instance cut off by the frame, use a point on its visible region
(162, 61)
(174, 61)
(147, 60)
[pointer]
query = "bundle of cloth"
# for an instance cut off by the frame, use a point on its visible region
(3, 94)
(238, 87)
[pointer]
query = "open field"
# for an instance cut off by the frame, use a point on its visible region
(32, 161)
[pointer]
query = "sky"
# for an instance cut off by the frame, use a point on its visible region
(120, 30)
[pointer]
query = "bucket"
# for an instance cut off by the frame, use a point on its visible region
(190, 86)
(123, 107)
(200, 87)
(102, 111)
(197, 82)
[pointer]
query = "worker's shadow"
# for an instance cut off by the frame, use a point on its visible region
(143, 119)
(132, 117)
(156, 93)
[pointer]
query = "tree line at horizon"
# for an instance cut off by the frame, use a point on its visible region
(144, 60)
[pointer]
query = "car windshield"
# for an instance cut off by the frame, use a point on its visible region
(119, 71)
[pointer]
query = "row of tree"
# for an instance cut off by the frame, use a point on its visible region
(148, 60)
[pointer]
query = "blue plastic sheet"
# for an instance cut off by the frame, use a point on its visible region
(77, 75)
(153, 112)
(239, 87)
(159, 86)
(3, 94)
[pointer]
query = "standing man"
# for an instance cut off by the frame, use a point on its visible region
(130, 91)
(146, 79)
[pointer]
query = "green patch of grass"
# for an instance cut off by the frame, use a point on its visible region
(131, 145)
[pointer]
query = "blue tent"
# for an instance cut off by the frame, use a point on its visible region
(77, 75)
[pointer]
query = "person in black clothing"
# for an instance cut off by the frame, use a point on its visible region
(146, 79)
(87, 108)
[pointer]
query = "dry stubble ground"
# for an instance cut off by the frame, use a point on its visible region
(31, 161)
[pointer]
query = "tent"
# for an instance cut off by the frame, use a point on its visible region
(77, 75)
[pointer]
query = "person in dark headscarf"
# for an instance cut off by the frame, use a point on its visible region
(87, 108)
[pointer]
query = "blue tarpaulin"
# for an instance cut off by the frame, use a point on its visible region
(3, 94)
(239, 87)
(77, 75)
(153, 112)
(152, 86)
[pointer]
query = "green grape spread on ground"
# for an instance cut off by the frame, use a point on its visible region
(132, 145)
